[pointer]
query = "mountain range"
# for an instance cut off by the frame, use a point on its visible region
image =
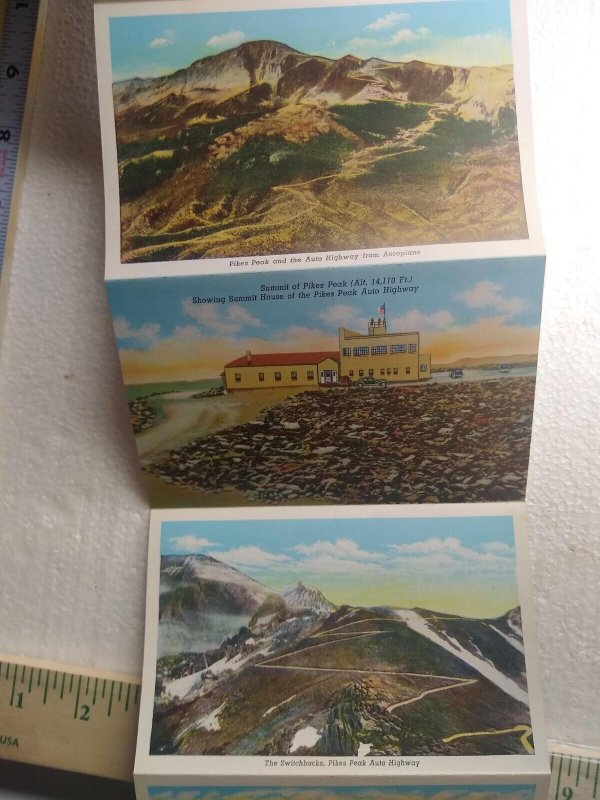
(264, 149)
(294, 673)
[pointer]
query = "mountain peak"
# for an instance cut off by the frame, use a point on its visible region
(300, 596)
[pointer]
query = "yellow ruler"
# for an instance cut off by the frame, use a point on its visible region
(86, 721)
(68, 719)
(575, 772)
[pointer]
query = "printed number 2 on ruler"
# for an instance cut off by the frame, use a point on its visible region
(54, 718)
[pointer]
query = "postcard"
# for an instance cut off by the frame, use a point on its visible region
(239, 136)
(355, 641)
(340, 386)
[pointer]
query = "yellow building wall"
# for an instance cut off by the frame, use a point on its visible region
(394, 367)
(249, 376)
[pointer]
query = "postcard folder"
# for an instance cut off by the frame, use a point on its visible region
(325, 267)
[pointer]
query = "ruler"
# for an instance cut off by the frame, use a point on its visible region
(68, 719)
(19, 59)
(575, 772)
(86, 721)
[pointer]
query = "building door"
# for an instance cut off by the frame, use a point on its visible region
(328, 376)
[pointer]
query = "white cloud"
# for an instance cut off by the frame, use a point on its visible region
(227, 39)
(168, 38)
(251, 556)
(341, 556)
(145, 333)
(404, 35)
(418, 321)
(487, 294)
(344, 548)
(436, 555)
(498, 547)
(362, 45)
(191, 544)
(220, 318)
(342, 315)
(491, 49)
(389, 20)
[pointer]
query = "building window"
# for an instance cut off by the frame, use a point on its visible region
(398, 348)
(261, 376)
(294, 375)
(423, 367)
(278, 376)
(407, 370)
(347, 351)
(310, 375)
(371, 373)
(379, 350)
(361, 351)
(361, 373)
(382, 371)
(351, 373)
(238, 377)
(389, 370)
(395, 370)
(412, 348)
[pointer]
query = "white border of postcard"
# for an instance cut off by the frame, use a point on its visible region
(116, 270)
(233, 770)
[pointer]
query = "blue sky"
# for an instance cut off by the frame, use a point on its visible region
(461, 309)
(456, 32)
(463, 565)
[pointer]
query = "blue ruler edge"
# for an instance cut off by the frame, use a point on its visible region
(16, 51)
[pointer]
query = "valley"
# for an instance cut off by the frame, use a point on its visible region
(262, 149)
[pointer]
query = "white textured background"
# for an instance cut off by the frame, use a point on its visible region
(72, 510)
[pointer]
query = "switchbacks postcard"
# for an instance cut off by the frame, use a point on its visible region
(242, 136)
(348, 641)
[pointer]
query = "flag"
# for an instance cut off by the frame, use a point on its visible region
(381, 310)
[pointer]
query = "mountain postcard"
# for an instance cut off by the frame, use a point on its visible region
(237, 135)
(338, 639)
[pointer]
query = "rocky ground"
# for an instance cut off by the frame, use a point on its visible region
(143, 415)
(436, 442)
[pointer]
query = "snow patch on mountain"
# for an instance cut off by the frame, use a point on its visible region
(300, 597)
(416, 623)
(510, 639)
(306, 737)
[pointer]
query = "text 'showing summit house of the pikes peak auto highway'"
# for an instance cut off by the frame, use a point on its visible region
(383, 356)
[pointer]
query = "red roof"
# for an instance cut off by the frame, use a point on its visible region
(283, 359)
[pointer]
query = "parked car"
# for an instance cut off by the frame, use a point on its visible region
(365, 383)
(456, 373)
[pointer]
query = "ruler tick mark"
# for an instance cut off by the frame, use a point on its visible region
(62, 686)
(558, 779)
(112, 688)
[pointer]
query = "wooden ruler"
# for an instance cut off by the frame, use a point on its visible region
(68, 719)
(575, 772)
(86, 721)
